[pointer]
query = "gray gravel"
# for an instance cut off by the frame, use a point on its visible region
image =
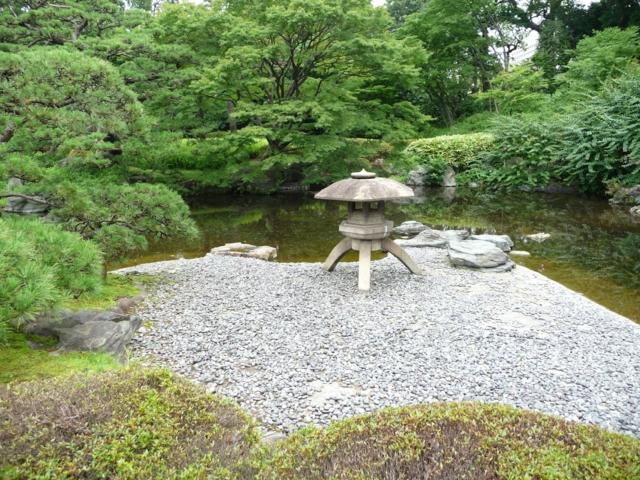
(296, 345)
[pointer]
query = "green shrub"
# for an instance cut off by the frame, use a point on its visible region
(524, 152)
(125, 424)
(437, 153)
(602, 140)
(42, 265)
(455, 440)
(590, 148)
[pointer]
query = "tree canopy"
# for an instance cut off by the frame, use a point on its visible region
(101, 99)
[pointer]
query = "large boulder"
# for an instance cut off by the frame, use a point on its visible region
(503, 242)
(99, 336)
(410, 228)
(246, 250)
(49, 323)
(478, 254)
(90, 330)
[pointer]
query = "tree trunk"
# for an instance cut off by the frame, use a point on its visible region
(233, 127)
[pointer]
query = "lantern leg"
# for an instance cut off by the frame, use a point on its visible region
(336, 254)
(397, 251)
(364, 265)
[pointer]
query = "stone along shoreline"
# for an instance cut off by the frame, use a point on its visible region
(294, 344)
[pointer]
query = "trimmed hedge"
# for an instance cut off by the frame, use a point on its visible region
(42, 265)
(437, 153)
(456, 441)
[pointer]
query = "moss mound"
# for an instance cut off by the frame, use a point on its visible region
(135, 423)
(456, 441)
(127, 424)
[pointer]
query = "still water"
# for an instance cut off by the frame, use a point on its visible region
(594, 248)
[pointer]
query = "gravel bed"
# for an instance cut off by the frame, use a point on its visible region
(296, 345)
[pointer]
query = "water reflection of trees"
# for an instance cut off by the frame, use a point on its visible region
(586, 232)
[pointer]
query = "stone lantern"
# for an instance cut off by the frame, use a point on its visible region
(365, 228)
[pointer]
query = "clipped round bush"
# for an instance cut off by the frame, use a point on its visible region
(456, 151)
(127, 424)
(41, 265)
(456, 441)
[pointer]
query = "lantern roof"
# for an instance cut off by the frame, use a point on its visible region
(364, 186)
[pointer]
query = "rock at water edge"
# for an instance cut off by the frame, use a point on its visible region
(449, 178)
(476, 254)
(503, 242)
(409, 228)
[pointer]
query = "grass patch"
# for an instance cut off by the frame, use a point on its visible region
(19, 362)
(456, 440)
(114, 287)
(127, 424)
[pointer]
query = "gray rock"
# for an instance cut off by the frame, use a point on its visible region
(246, 250)
(520, 253)
(426, 238)
(537, 237)
(626, 196)
(476, 254)
(13, 183)
(417, 177)
(263, 253)
(98, 336)
(505, 267)
(454, 235)
(50, 323)
(635, 211)
(449, 178)
(27, 206)
(503, 242)
(434, 238)
(409, 228)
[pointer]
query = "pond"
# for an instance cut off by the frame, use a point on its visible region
(594, 248)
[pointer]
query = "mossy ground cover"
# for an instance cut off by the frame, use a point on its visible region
(456, 441)
(135, 423)
(127, 424)
(20, 362)
(114, 288)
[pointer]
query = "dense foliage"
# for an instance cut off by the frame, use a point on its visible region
(592, 148)
(41, 266)
(251, 95)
